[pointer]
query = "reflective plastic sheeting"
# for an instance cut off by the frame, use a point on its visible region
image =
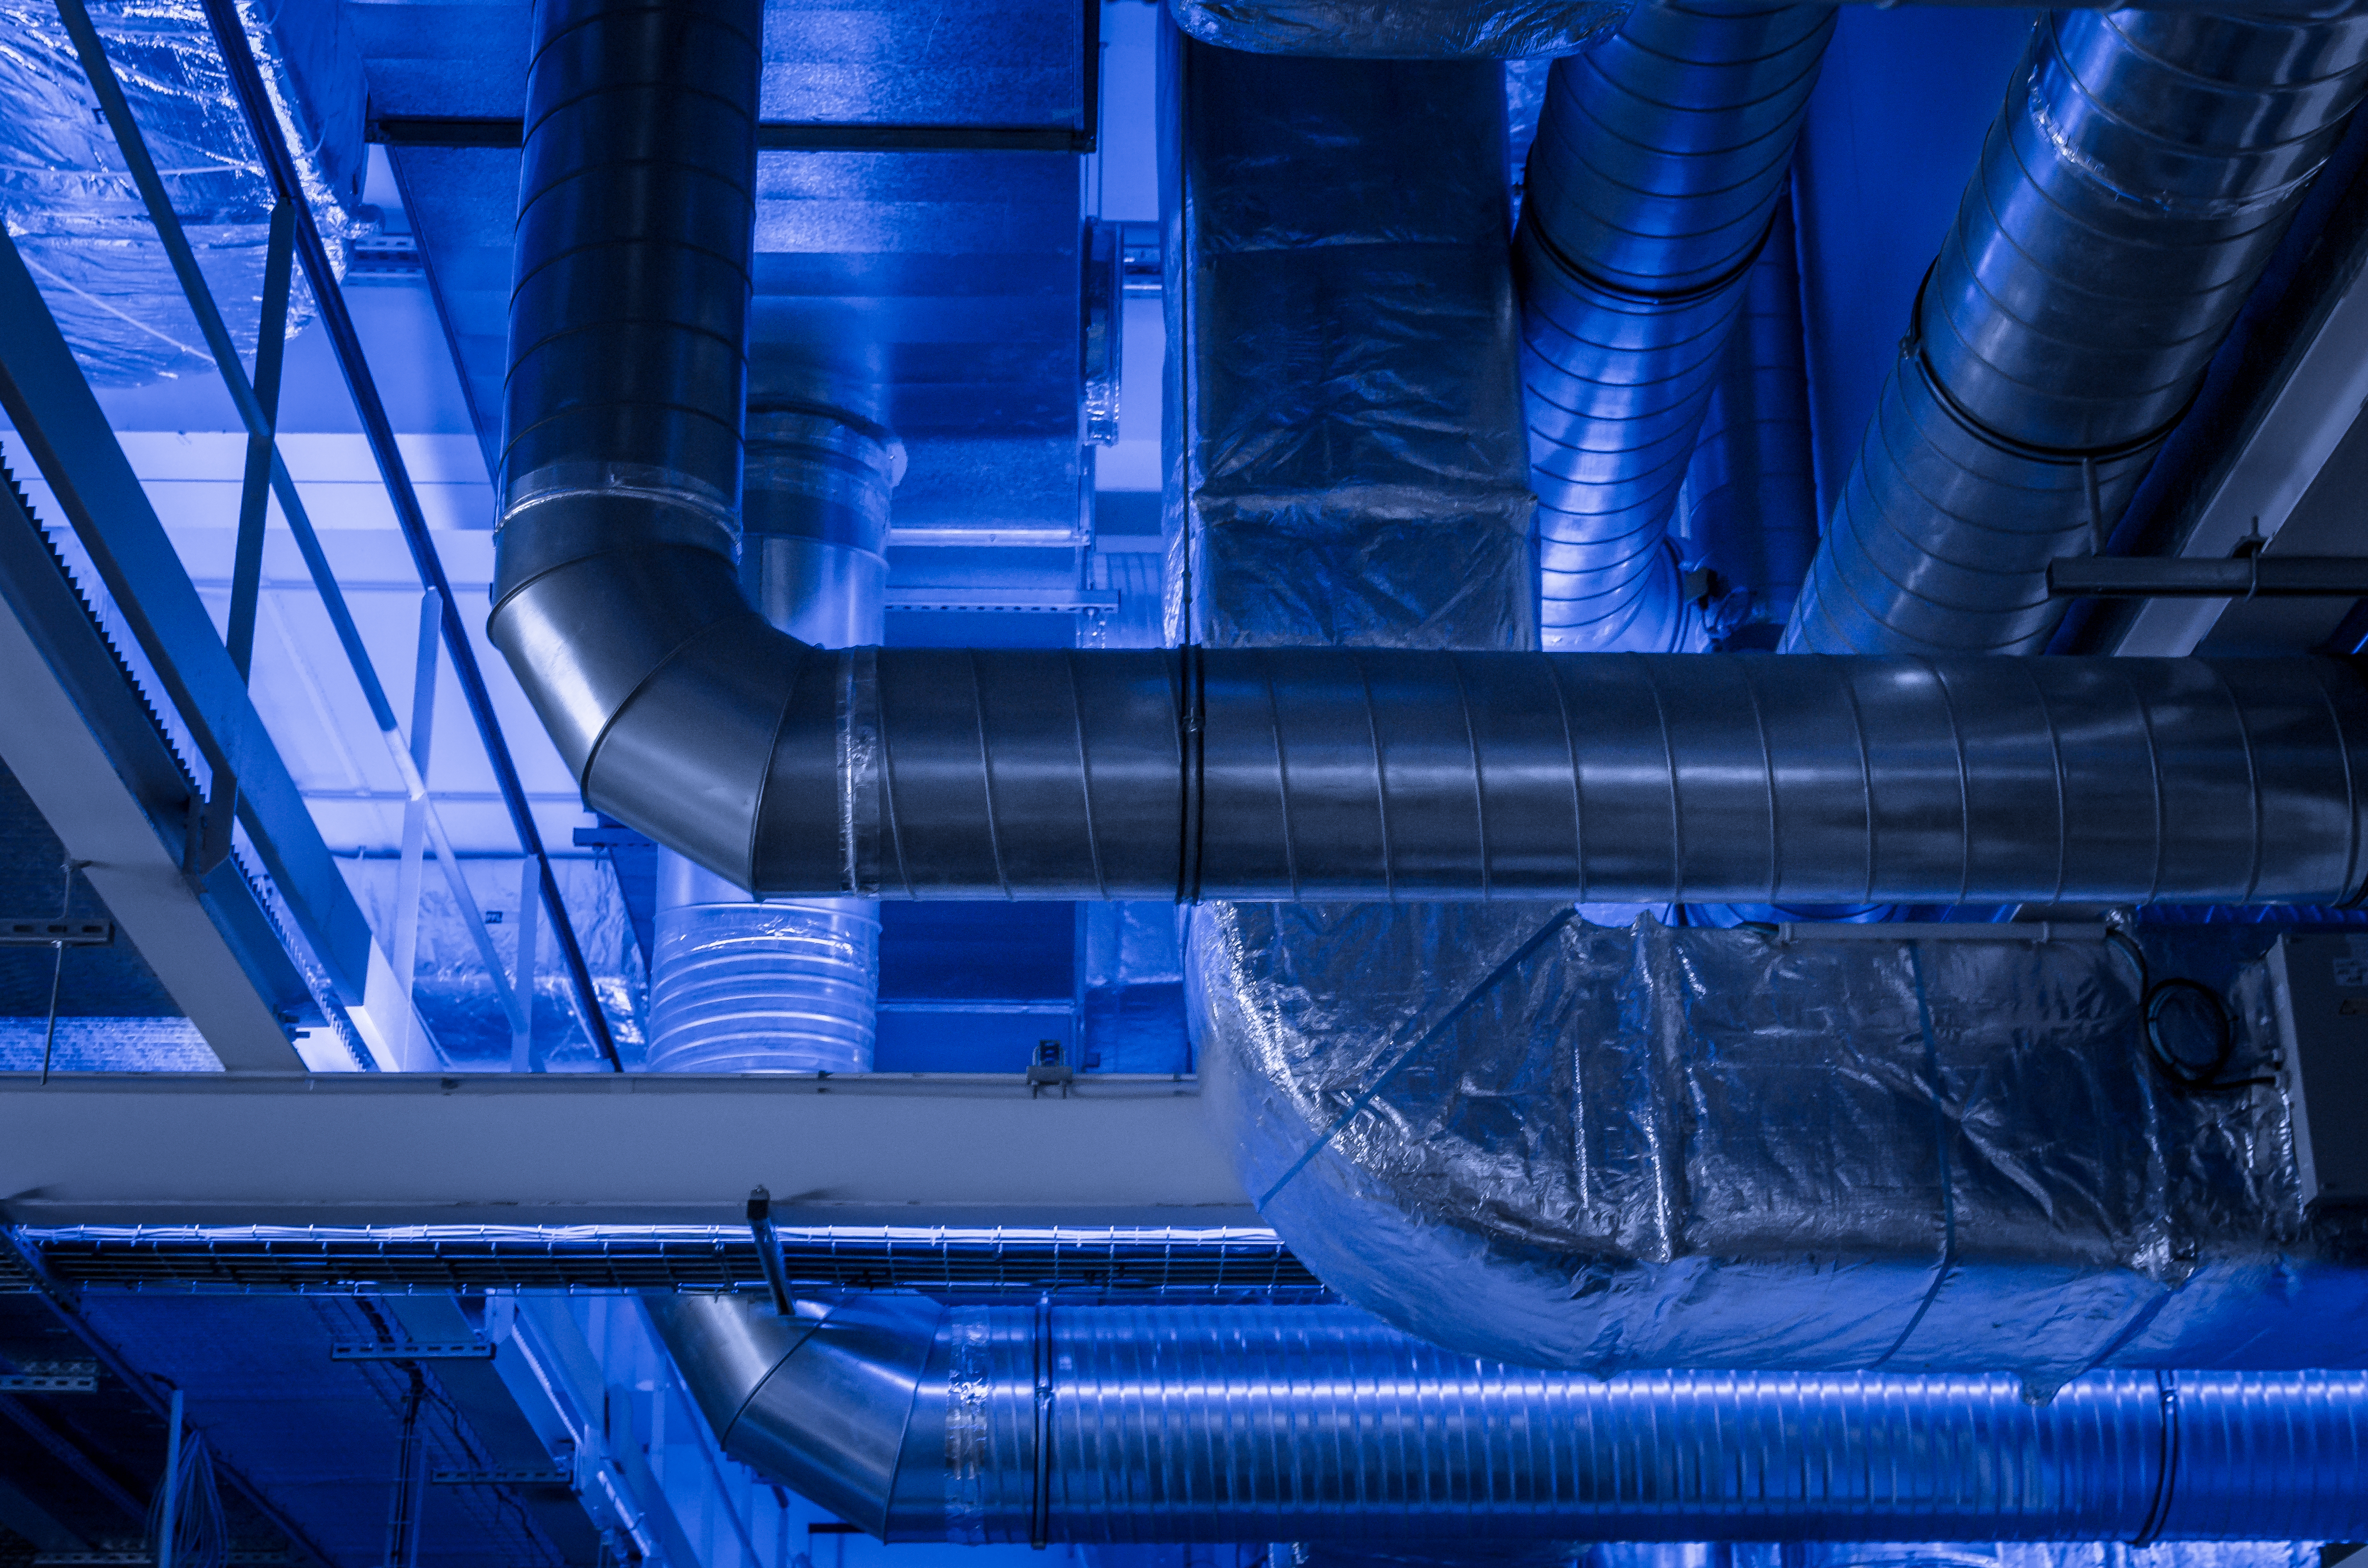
(1597, 1149)
(1351, 435)
(1399, 30)
(78, 220)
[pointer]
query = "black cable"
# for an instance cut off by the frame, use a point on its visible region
(2187, 1076)
(2155, 997)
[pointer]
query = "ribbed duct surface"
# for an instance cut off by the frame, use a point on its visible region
(1523, 1137)
(983, 1425)
(1653, 184)
(2142, 170)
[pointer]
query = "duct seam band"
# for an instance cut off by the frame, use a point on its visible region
(1667, 298)
(2068, 148)
(2166, 1473)
(622, 482)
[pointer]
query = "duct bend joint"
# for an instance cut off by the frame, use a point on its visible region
(824, 1401)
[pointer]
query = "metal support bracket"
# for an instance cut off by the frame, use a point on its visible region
(769, 1249)
(50, 931)
(51, 1377)
(461, 1351)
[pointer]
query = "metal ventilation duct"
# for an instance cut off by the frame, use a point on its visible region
(1653, 186)
(1104, 1424)
(1313, 773)
(2132, 189)
(1944, 1149)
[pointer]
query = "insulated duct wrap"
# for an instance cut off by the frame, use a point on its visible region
(1518, 1136)
(1351, 412)
(982, 1424)
(1653, 184)
(79, 222)
(2143, 169)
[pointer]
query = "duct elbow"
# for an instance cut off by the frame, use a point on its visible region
(665, 690)
(825, 1404)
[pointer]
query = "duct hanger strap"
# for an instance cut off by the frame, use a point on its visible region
(1915, 357)
(1538, 236)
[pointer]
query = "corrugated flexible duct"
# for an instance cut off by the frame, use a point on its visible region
(2131, 191)
(1296, 773)
(1653, 186)
(982, 1424)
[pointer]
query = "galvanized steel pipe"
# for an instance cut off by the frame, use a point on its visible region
(984, 1424)
(2132, 189)
(1658, 163)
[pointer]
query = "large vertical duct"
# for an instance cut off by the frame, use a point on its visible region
(2142, 168)
(788, 985)
(1653, 184)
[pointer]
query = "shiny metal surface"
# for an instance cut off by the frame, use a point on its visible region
(2142, 168)
(629, 313)
(1400, 774)
(1520, 1136)
(1750, 493)
(1424, 29)
(828, 1414)
(1658, 163)
(1403, 775)
(787, 986)
(723, 1351)
(1317, 1423)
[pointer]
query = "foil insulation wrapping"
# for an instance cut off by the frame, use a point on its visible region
(1399, 30)
(76, 216)
(1347, 446)
(1520, 1136)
